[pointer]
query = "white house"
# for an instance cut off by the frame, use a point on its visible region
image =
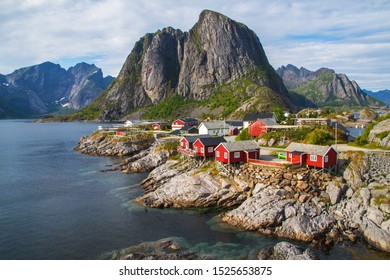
(132, 123)
(214, 128)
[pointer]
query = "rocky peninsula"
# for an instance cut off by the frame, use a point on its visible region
(300, 204)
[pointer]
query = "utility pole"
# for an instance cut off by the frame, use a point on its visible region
(337, 161)
(336, 135)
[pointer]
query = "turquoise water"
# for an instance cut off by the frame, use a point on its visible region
(56, 204)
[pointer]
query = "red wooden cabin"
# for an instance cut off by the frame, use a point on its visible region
(311, 155)
(260, 127)
(204, 147)
(180, 123)
(236, 152)
(187, 144)
(160, 126)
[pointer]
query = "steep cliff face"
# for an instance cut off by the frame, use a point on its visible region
(47, 87)
(87, 83)
(293, 76)
(217, 51)
(325, 87)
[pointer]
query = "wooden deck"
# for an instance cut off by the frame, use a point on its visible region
(272, 163)
(186, 152)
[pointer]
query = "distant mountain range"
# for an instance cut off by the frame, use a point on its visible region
(48, 88)
(324, 87)
(382, 95)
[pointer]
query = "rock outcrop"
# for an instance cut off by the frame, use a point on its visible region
(163, 249)
(99, 144)
(298, 206)
(286, 251)
(146, 160)
(216, 52)
(380, 134)
(273, 211)
(185, 185)
(365, 210)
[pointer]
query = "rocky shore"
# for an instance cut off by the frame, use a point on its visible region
(299, 204)
(101, 144)
(303, 204)
(191, 184)
(174, 248)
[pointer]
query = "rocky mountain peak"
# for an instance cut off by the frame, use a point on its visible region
(191, 64)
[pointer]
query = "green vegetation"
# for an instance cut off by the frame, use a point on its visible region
(383, 135)
(295, 135)
(363, 140)
(382, 199)
(224, 101)
(229, 96)
(318, 137)
(168, 108)
(312, 89)
(310, 135)
(169, 146)
(244, 135)
(279, 113)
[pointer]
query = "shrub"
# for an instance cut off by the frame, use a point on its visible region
(244, 135)
(318, 137)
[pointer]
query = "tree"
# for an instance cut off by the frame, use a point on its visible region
(244, 135)
(279, 113)
(318, 137)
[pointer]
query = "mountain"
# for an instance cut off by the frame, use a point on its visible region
(382, 95)
(324, 87)
(219, 67)
(47, 87)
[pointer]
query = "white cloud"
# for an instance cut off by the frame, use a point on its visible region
(349, 36)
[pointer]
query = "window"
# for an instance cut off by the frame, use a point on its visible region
(289, 155)
(237, 155)
(210, 149)
(313, 158)
(326, 158)
(217, 153)
(225, 155)
(202, 150)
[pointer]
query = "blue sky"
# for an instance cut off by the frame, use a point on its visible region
(349, 36)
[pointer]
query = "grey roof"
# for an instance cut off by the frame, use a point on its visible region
(308, 148)
(175, 132)
(192, 139)
(188, 119)
(268, 122)
(241, 146)
(215, 124)
(212, 141)
(256, 116)
(235, 123)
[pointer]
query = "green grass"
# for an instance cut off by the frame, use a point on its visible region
(168, 108)
(363, 140)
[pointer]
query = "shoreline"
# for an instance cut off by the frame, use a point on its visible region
(339, 212)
